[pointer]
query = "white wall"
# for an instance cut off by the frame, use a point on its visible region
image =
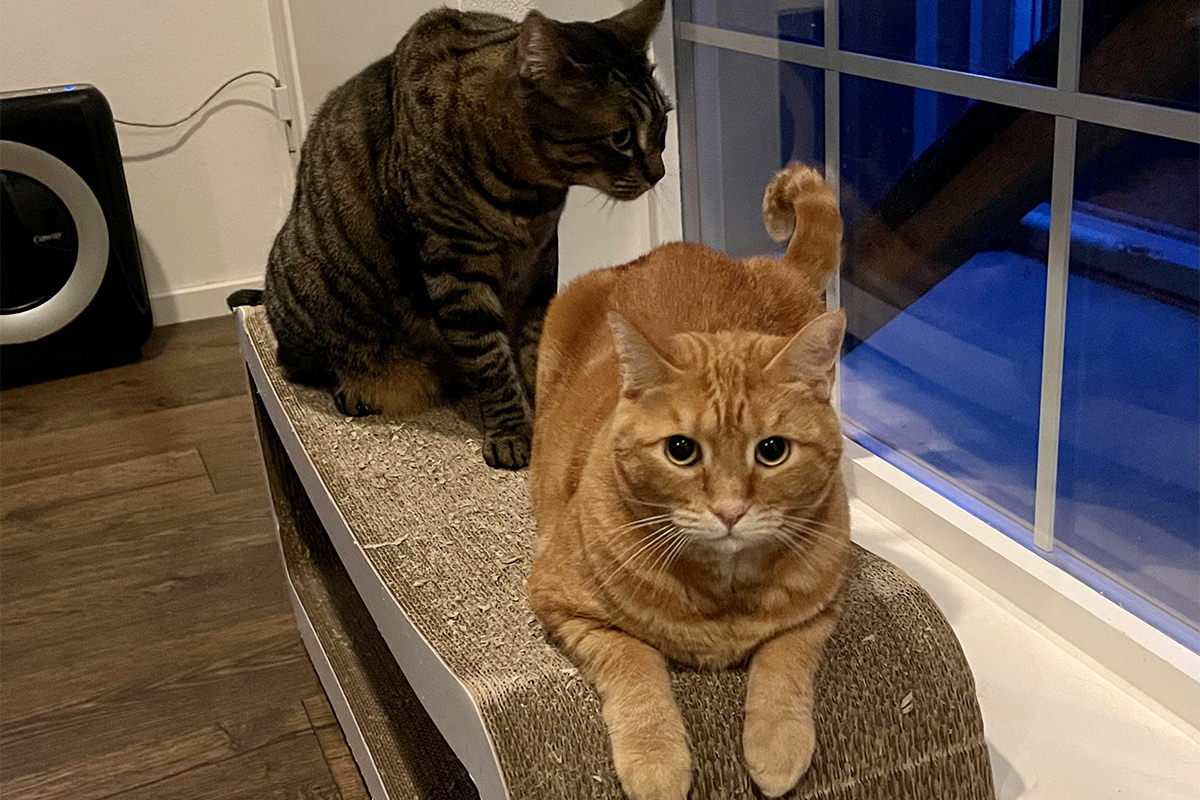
(207, 196)
(333, 41)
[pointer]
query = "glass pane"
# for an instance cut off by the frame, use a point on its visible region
(1141, 50)
(753, 116)
(790, 20)
(943, 281)
(1014, 39)
(1129, 459)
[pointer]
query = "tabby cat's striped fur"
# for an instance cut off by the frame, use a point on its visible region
(421, 248)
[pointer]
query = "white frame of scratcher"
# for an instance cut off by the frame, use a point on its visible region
(445, 698)
(363, 757)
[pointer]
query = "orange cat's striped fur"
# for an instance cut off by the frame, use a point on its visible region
(729, 548)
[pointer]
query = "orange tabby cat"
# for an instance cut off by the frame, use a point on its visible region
(686, 486)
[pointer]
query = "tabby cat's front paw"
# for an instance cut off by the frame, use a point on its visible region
(659, 772)
(778, 750)
(506, 450)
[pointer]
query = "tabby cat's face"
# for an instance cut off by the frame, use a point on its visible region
(598, 116)
(733, 439)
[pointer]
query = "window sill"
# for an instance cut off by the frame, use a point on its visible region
(1080, 698)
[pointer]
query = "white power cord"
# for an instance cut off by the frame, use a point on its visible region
(279, 99)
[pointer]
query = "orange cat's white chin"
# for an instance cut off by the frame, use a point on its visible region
(728, 543)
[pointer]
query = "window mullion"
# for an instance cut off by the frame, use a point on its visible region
(833, 154)
(1058, 267)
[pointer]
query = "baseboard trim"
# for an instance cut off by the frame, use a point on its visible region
(198, 302)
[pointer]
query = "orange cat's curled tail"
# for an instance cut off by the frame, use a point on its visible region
(799, 204)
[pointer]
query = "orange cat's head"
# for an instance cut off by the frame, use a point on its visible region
(729, 436)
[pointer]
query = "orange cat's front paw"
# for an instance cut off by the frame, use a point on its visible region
(659, 772)
(778, 751)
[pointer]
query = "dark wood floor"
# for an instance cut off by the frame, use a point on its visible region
(147, 648)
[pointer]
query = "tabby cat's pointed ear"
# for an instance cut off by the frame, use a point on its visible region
(537, 47)
(642, 367)
(634, 26)
(809, 356)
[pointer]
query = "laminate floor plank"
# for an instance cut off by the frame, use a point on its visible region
(24, 458)
(233, 460)
(189, 720)
(39, 646)
(61, 603)
(333, 745)
(290, 769)
(184, 365)
(341, 764)
(98, 482)
(35, 531)
(147, 646)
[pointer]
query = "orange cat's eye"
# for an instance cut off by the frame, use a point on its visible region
(682, 451)
(772, 451)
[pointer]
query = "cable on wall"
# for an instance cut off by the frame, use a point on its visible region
(207, 100)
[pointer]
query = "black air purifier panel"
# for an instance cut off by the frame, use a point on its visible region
(72, 292)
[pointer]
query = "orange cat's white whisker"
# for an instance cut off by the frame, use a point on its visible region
(796, 542)
(660, 555)
(660, 538)
(642, 523)
(634, 550)
(641, 542)
(815, 531)
(684, 541)
(650, 503)
(634, 525)
(661, 565)
(805, 521)
(810, 524)
(802, 537)
(793, 547)
(826, 533)
(670, 539)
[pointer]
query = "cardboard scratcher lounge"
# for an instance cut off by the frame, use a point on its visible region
(407, 557)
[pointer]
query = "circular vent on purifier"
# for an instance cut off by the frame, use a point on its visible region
(55, 244)
(35, 228)
(72, 293)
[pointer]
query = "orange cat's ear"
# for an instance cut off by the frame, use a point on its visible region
(642, 367)
(809, 356)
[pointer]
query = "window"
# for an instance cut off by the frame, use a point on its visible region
(1020, 181)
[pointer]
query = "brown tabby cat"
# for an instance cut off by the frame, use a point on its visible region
(686, 487)
(421, 248)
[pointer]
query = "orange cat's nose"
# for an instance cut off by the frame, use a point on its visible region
(730, 511)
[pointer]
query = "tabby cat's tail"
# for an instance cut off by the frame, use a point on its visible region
(244, 297)
(799, 205)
